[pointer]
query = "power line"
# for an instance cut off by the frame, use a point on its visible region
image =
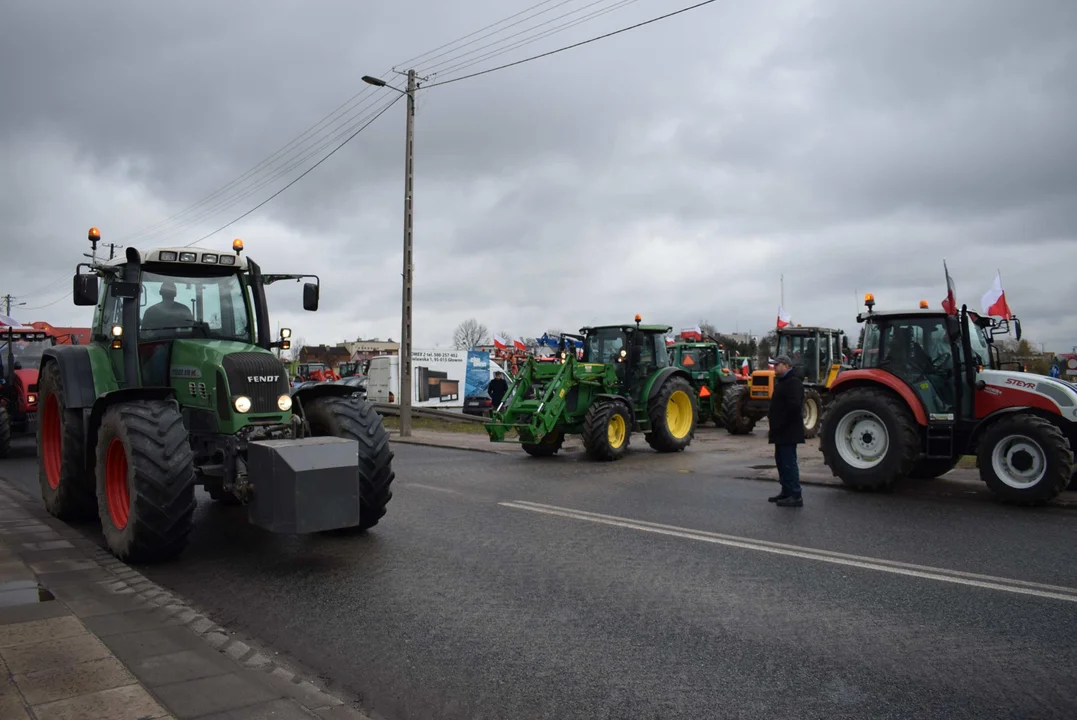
(574, 45)
(304, 174)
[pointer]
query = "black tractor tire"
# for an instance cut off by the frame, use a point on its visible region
(67, 488)
(813, 412)
(547, 447)
(607, 430)
(145, 481)
(356, 419)
(5, 433)
(734, 420)
(926, 469)
(1040, 434)
(901, 436)
(662, 437)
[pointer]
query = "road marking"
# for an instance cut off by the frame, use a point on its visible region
(1021, 587)
(431, 487)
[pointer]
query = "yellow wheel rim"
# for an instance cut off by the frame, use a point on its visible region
(679, 414)
(616, 431)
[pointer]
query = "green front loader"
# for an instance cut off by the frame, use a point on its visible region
(623, 384)
(180, 387)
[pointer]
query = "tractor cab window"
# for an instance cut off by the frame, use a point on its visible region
(604, 346)
(661, 356)
(27, 353)
(801, 349)
(978, 340)
(918, 351)
(212, 307)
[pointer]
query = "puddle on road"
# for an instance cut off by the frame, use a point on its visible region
(23, 592)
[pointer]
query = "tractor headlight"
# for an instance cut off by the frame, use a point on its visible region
(284, 402)
(242, 403)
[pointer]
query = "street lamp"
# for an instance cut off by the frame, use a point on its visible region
(405, 314)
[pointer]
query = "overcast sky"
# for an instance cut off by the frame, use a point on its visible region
(676, 171)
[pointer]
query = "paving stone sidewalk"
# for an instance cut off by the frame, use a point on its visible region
(85, 637)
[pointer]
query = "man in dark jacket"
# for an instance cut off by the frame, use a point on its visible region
(786, 430)
(497, 388)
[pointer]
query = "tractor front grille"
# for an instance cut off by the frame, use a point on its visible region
(259, 376)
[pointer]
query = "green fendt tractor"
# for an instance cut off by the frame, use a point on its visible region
(707, 365)
(179, 387)
(623, 384)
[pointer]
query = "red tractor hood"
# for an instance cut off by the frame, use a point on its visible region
(26, 387)
(25, 378)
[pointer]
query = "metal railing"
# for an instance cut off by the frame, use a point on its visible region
(393, 410)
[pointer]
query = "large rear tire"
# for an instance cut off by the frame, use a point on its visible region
(607, 429)
(869, 439)
(733, 417)
(547, 447)
(5, 433)
(1025, 459)
(356, 419)
(812, 412)
(67, 488)
(673, 415)
(145, 481)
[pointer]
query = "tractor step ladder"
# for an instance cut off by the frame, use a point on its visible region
(940, 440)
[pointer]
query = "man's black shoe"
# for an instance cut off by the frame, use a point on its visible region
(780, 496)
(791, 501)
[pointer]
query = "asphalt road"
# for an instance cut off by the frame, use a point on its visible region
(502, 586)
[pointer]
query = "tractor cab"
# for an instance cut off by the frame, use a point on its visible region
(635, 352)
(21, 348)
(819, 352)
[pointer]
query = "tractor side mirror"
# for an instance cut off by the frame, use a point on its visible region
(1017, 329)
(310, 296)
(85, 289)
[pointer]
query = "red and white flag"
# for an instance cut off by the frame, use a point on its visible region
(519, 344)
(499, 342)
(692, 333)
(745, 370)
(950, 303)
(994, 300)
(783, 317)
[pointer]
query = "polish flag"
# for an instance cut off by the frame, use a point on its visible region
(519, 344)
(499, 342)
(994, 300)
(693, 333)
(783, 317)
(744, 369)
(950, 303)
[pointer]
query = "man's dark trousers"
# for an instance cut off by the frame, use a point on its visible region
(785, 458)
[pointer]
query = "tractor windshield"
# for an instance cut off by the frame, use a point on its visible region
(978, 340)
(27, 353)
(212, 307)
(604, 345)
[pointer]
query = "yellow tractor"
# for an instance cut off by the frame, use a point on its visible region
(818, 354)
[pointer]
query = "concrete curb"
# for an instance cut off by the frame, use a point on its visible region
(247, 654)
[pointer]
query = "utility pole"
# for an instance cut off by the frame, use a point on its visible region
(8, 301)
(405, 309)
(112, 249)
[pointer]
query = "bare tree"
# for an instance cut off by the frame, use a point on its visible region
(468, 334)
(298, 343)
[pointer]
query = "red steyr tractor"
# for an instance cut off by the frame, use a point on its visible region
(20, 355)
(929, 390)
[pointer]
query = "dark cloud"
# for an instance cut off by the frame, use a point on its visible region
(677, 171)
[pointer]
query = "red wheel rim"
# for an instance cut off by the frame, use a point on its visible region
(50, 440)
(119, 500)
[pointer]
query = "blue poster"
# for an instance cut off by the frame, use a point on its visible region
(478, 373)
(1055, 372)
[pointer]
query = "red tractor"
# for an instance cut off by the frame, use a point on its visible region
(929, 390)
(20, 356)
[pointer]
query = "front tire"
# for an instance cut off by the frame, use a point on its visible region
(547, 447)
(1025, 459)
(812, 412)
(145, 481)
(355, 419)
(67, 488)
(673, 414)
(869, 439)
(733, 417)
(607, 429)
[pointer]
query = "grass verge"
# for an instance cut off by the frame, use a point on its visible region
(435, 425)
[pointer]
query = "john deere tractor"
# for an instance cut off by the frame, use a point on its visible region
(179, 387)
(624, 383)
(707, 365)
(818, 354)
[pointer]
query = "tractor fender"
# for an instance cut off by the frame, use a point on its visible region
(312, 392)
(76, 373)
(123, 395)
(660, 378)
(618, 398)
(850, 379)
